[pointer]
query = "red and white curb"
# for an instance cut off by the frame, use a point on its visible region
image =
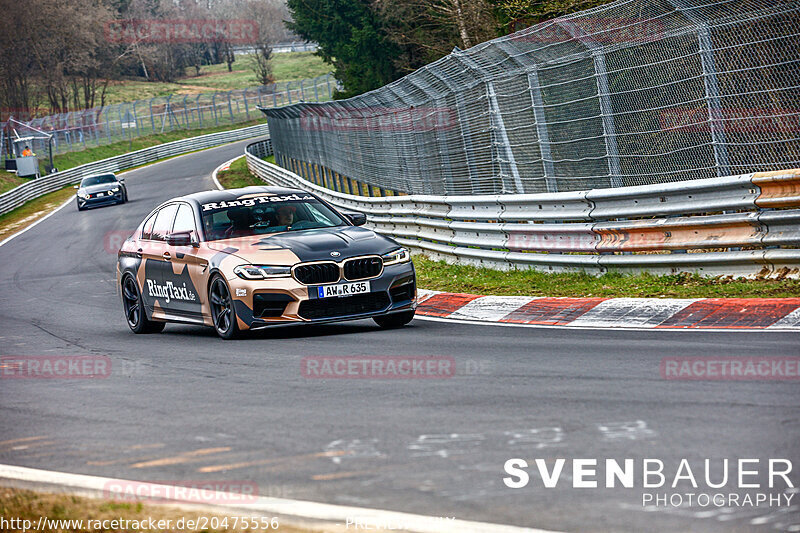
(224, 166)
(263, 506)
(772, 314)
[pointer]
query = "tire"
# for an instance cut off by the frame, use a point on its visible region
(222, 312)
(132, 305)
(397, 320)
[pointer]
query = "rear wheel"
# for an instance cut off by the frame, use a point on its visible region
(222, 312)
(396, 320)
(134, 309)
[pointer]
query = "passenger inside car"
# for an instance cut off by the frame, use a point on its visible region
(241, 222)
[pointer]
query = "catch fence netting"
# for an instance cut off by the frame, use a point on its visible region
(629, 93)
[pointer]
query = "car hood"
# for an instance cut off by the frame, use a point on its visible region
(100, 187)
(308, 245)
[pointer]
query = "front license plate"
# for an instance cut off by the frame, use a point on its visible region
(343, 289)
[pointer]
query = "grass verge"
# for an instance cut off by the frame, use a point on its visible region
(238, 175)
(440, 276)
(285, 67)
(30, 505)
(30, 212)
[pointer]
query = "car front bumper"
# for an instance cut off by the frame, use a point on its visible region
(100, 200)
(285, 301)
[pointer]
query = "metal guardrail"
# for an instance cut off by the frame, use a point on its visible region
(714, 226)
(33, 189)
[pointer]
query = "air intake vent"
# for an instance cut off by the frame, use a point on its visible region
(317, 273)
(362, 268)
(340, 307)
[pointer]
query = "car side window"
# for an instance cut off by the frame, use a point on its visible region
(147, 227)
(184, 221)
(163, 223)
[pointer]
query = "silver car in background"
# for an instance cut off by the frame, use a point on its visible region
(99, 190)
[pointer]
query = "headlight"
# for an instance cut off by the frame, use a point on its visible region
(115, 189)
(262, 271)
(82, 194)
(394, 257)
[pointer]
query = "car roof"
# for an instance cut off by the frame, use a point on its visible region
(227, 195)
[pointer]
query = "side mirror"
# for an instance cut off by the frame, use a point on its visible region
(121, 180)
(183, 238)
(76, 186)
(358, 219)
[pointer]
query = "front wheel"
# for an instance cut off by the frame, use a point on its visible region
(222, 312)
(396, 320)
(134, 309)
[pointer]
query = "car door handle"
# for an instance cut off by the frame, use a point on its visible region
(139, 253)
(166, 256)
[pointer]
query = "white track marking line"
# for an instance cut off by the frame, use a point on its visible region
(640, 312)
(217, 184)
(490, 308)
(31, 226)
(270, 506)
(783, 329)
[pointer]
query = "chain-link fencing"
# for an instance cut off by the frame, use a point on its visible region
(87, 128)
(633, 92)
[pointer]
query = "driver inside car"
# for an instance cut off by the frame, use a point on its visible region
(286, 215)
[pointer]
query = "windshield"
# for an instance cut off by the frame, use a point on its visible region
(98, 180)
(258, 214)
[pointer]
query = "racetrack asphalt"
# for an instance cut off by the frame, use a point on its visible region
(185, 405)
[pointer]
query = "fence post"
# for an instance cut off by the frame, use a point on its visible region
(152, 120)
(289, 92)
(185, 113)
(603, 95)
(444, 153)
(548, 167)
(466, 140)
(499, 126)
(199, 110)
(711, 86)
